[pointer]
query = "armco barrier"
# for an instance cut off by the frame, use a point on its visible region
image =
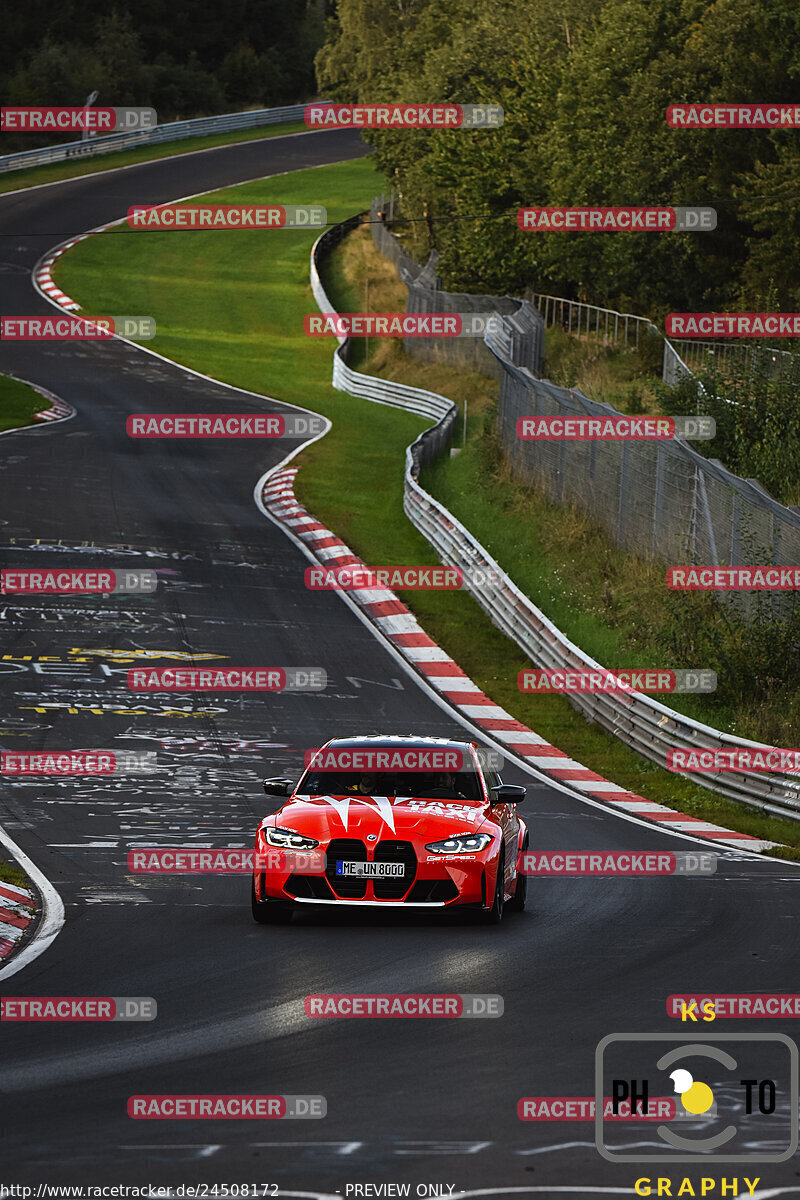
(636, 719)
(173, 131)
(369, 387)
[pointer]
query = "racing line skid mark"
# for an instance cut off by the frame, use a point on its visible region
(394, 620)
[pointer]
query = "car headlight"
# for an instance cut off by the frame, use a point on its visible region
(461, 843)
(287, 839)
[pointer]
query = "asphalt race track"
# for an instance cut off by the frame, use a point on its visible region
(423, 1101)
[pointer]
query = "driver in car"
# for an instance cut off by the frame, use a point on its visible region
(444, 786)
(366, 785)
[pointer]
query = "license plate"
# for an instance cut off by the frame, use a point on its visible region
(370, 870)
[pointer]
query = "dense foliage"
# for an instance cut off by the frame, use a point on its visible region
(585, 85)
(755, 407)
(185, 60)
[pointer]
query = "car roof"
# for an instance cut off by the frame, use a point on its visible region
(396, 739)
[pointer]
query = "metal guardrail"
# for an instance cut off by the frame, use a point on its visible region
(775, 363)
(642, 723)
(173, 131)
(581, 320)
(369, 387)
(577, 318)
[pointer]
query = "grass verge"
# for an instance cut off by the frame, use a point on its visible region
(231, 304)
(19, 404)
(615, 374)
(11, 873)
(55, 172)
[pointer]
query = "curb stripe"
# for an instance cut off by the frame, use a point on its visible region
(397, 623)
(45, 281)
(12, 892)
(15, 916)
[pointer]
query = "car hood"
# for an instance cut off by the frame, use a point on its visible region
(402, 817)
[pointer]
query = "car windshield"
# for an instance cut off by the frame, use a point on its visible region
(439, 785)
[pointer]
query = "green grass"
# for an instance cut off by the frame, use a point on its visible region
(231, 304)
(615, 374)
(54, 172)
(19, 404)
(11, 873)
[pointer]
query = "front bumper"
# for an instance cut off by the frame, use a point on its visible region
(428, 881)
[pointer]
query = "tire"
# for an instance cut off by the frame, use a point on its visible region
(517, 901)
(269, 912)
(495, 914)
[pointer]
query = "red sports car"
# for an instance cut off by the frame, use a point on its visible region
(407, 822)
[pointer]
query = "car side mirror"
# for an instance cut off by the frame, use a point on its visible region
(508, 793)
(278, 787)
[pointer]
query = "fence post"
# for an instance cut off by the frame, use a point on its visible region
(657, 498)
(736, 516)
(703, 497)
(622, 507)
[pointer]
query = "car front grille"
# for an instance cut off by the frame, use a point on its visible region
(352, 888)
(394, 887)
(346, 849)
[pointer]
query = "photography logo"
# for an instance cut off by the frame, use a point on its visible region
(737, 1096)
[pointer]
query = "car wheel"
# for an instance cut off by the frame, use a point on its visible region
(269, 912)
(495, 914)
(517, 901)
